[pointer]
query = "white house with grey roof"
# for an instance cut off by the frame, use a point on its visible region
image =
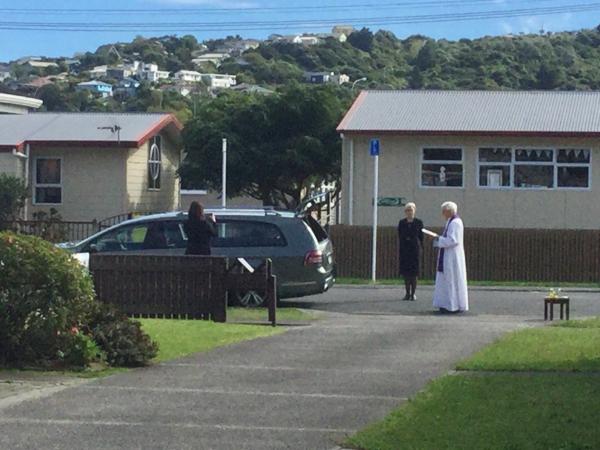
(94, 165)
(510, 159)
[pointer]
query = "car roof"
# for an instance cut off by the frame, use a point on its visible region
(217, 212)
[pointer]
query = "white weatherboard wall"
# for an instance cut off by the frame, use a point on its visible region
(486, 208)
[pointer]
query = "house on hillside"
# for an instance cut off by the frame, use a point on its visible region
(326, 77)
(96, 87)
(127, 87)
(94, 165)
(528, 159)
(214, 58)
(188, 75)
(150, 72)
(40, 64)
(218, 80)
(98, 71)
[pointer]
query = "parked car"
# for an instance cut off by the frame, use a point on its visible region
(299, 247)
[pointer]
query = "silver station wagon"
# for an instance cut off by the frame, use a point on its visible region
(299, 247)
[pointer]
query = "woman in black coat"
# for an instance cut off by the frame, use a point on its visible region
(199, 230)
(410, 239)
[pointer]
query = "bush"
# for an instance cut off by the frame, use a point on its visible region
(13, 194)
(44, 293)
(121, 339)
(49, 315)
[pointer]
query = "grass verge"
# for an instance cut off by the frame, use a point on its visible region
(502, 410)
(178, 338)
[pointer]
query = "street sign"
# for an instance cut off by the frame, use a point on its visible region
(391, 201)
(374, 147)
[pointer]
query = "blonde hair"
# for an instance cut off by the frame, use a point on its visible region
(410, 205)
(450, 206)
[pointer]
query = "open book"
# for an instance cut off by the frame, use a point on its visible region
(429, 233)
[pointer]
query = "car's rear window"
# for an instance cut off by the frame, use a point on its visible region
(316, 228)
(240, 233)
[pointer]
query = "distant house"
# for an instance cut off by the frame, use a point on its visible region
(34, 84)
(94, 165)
(40, 64)
(188, 75)
(219, 81)
(214, 58)
(98, 71)
(118, 73)
(127, 87)
(510, 159)
(96, 87)
(72, 65)
(326, 77)
(301, 39)
(17, 104)
(150, 72)
(342, 32)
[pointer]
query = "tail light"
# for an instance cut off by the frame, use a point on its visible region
(313, 257)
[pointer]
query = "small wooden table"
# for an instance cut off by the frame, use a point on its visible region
(551, 301)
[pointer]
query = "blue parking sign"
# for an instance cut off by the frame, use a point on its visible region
(374, 147)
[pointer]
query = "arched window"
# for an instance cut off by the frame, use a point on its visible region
(155, 163)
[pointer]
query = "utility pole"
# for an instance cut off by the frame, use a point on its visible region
(224, 176)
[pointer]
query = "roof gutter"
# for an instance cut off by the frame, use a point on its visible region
(561, 134)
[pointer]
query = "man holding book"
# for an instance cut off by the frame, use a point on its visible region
(450, 294)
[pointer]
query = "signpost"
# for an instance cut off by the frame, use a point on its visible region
(374, 150)
(391, 201)
(224, 176)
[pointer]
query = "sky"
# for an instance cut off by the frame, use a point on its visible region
(24, 24)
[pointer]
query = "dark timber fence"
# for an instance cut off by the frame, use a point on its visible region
(492, 254)
(183, 287)
(53, 231)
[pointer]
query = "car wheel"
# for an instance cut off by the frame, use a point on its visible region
(251, 299)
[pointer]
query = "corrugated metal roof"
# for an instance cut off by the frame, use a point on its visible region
(80, 127)
(551, 112)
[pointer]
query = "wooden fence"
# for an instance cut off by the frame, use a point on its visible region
(54, 231)
(492, 254)
(185, 287)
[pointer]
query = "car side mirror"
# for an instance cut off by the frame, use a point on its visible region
(93, 248)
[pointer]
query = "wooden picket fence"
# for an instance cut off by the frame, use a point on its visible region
(183, 287)
(492, 254)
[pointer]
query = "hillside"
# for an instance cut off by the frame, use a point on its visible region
(567, 60)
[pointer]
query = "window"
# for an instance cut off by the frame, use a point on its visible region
(534, 168)
(494, 167)
(442, 167)
(48, 181)
(155, 163)
(573, 166)
(247, 234)
(158, 235)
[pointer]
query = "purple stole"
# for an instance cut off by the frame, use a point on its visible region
(440, 267)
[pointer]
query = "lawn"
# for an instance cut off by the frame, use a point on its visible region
(491, 406)
(493, 412)
(178, 338)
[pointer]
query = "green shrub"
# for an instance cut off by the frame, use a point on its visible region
(49, 315)
(121, 339)
(13, 194)
(43, 294)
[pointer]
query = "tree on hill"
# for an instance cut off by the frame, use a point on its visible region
(363, 40)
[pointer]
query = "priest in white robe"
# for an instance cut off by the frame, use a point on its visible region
(450, 294)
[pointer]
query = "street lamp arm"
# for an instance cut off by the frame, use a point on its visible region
(358, 81)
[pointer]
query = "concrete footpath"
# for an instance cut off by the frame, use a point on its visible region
(306, 389)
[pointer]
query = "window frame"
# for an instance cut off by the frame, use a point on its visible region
(554, 164)
(152, 142)
(37, 185)
(460, 162)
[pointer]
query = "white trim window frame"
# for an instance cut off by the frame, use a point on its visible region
(40, 185)
(445, 162)
(155, 168)
(496, 164)
(554, 163)
(575, 165)
(537, 164)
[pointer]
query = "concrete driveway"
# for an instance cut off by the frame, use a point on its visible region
(306, 389)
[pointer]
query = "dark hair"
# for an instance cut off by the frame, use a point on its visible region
(196, 211)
